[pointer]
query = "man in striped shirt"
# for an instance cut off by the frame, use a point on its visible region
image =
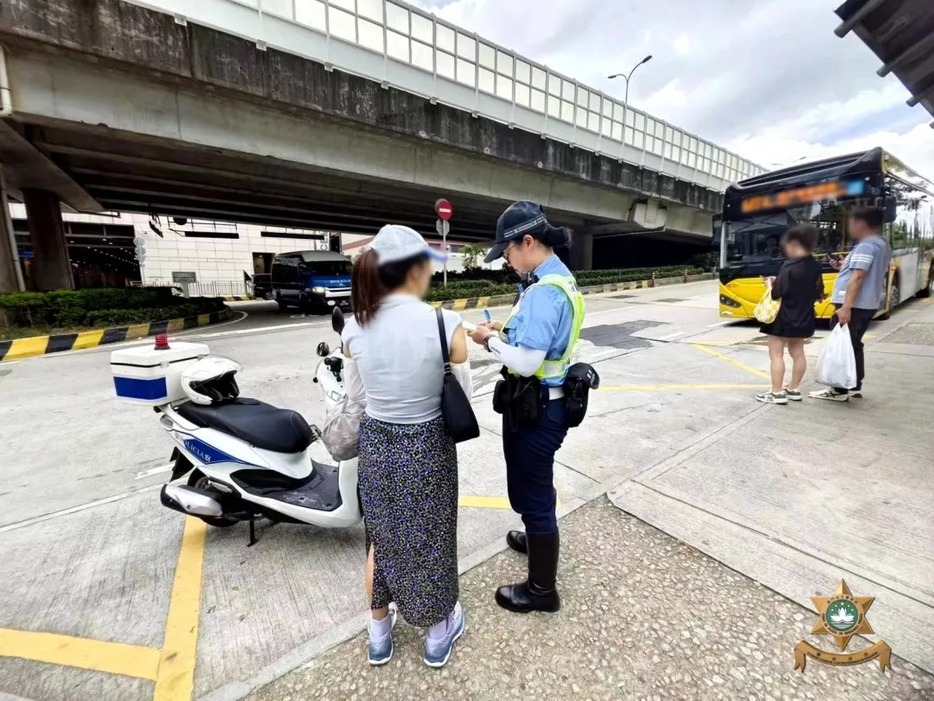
(859, 289)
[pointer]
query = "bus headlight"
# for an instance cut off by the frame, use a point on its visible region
(729, 302)
(319, 290)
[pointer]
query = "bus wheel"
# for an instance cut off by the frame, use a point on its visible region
(896, 298)
(282, 305)
(929, 290)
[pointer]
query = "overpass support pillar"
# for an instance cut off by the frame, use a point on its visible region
(11, 274)
(581, 251)
(47, 233)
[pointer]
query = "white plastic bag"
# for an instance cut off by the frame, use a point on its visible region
(837, 363)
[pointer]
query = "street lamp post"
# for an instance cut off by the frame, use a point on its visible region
(626, 77)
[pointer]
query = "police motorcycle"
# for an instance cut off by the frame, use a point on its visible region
(244, 458)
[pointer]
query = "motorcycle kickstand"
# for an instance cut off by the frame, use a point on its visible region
(253, 540)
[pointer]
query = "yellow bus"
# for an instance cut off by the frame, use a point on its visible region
(757, 211)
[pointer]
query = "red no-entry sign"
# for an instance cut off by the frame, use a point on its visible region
(444, 210)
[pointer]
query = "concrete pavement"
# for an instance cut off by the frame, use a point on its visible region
(96, 558)
(643, 617)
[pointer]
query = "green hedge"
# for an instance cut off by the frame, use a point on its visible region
(467, 288)
(73, 309)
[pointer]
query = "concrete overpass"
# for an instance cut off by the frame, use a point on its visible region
(115, 106)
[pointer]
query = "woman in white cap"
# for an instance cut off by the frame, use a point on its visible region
(408, 463)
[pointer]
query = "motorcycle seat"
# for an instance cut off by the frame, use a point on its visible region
(259, 424)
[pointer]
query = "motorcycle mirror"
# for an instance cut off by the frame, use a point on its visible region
(337, 320)
(323, 350)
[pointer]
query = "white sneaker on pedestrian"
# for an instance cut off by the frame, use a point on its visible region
(772, 398)
(830, 395)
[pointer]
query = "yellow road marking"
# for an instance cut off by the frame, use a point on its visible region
(471, 501)
(176, 676)
(717, 343)
(484, 502)
(662, 388)
(95, 655)
(732, 361)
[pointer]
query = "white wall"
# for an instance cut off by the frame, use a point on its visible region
(211, 259)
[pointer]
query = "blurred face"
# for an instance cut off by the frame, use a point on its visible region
(857, 228)
(419, 278)
(519, 255)
(793, 249)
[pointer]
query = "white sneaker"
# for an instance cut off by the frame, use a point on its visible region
(772, 398)
(830, 395)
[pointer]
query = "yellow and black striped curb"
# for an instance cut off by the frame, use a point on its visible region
(237, 298)
(20, 348)
(459, 305)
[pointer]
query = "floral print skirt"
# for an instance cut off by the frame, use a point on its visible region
(408, 490)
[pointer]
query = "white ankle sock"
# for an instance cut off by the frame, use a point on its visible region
(380, 629)
(439, 630)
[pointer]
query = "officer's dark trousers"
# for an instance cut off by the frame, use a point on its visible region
(530, 461)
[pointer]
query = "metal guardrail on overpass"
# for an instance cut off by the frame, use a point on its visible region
(401, 46)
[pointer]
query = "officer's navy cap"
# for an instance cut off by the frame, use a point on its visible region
(519, 219)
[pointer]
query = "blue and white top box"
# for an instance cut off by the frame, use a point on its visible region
(144, 375)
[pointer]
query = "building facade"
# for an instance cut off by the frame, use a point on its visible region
(209, 257)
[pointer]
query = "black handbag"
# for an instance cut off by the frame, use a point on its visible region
(459, 420)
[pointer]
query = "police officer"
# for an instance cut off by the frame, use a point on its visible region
(535, 346)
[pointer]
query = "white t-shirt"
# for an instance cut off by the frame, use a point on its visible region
(398, 356)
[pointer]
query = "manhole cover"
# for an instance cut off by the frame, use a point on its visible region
(670, 300)
(622, 296)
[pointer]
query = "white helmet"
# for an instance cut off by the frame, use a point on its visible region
(211, 380)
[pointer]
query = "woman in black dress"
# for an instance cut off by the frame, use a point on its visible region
(799, 285)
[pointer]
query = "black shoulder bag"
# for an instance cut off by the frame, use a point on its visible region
(459, 420)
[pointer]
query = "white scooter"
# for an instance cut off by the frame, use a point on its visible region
(247, 459)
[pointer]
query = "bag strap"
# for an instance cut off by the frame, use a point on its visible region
(445, 355)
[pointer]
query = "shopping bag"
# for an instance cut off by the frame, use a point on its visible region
(766, 310)
(836, 365)
(341, 432)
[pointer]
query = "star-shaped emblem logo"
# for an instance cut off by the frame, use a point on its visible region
(842, 615)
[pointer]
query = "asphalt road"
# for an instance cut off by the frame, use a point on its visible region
(109, 595)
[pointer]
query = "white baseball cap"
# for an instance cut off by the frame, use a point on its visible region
(394, 243)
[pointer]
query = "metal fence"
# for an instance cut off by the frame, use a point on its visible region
(399, 45)
(202, 289)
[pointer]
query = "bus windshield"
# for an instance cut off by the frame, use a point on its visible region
(757, 238)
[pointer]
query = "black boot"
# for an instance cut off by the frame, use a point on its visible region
(516, 540)
(538, 593)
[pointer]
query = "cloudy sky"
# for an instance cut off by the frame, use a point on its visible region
(767, 79)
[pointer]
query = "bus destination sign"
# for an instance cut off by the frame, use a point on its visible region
(833, 190)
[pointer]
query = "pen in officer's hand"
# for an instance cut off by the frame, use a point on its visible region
(486, 313)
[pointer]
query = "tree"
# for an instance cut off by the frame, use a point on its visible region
(471, 253)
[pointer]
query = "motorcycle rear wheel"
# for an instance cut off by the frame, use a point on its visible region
(199, 480)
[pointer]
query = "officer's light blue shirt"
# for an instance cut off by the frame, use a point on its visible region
(545, 316)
